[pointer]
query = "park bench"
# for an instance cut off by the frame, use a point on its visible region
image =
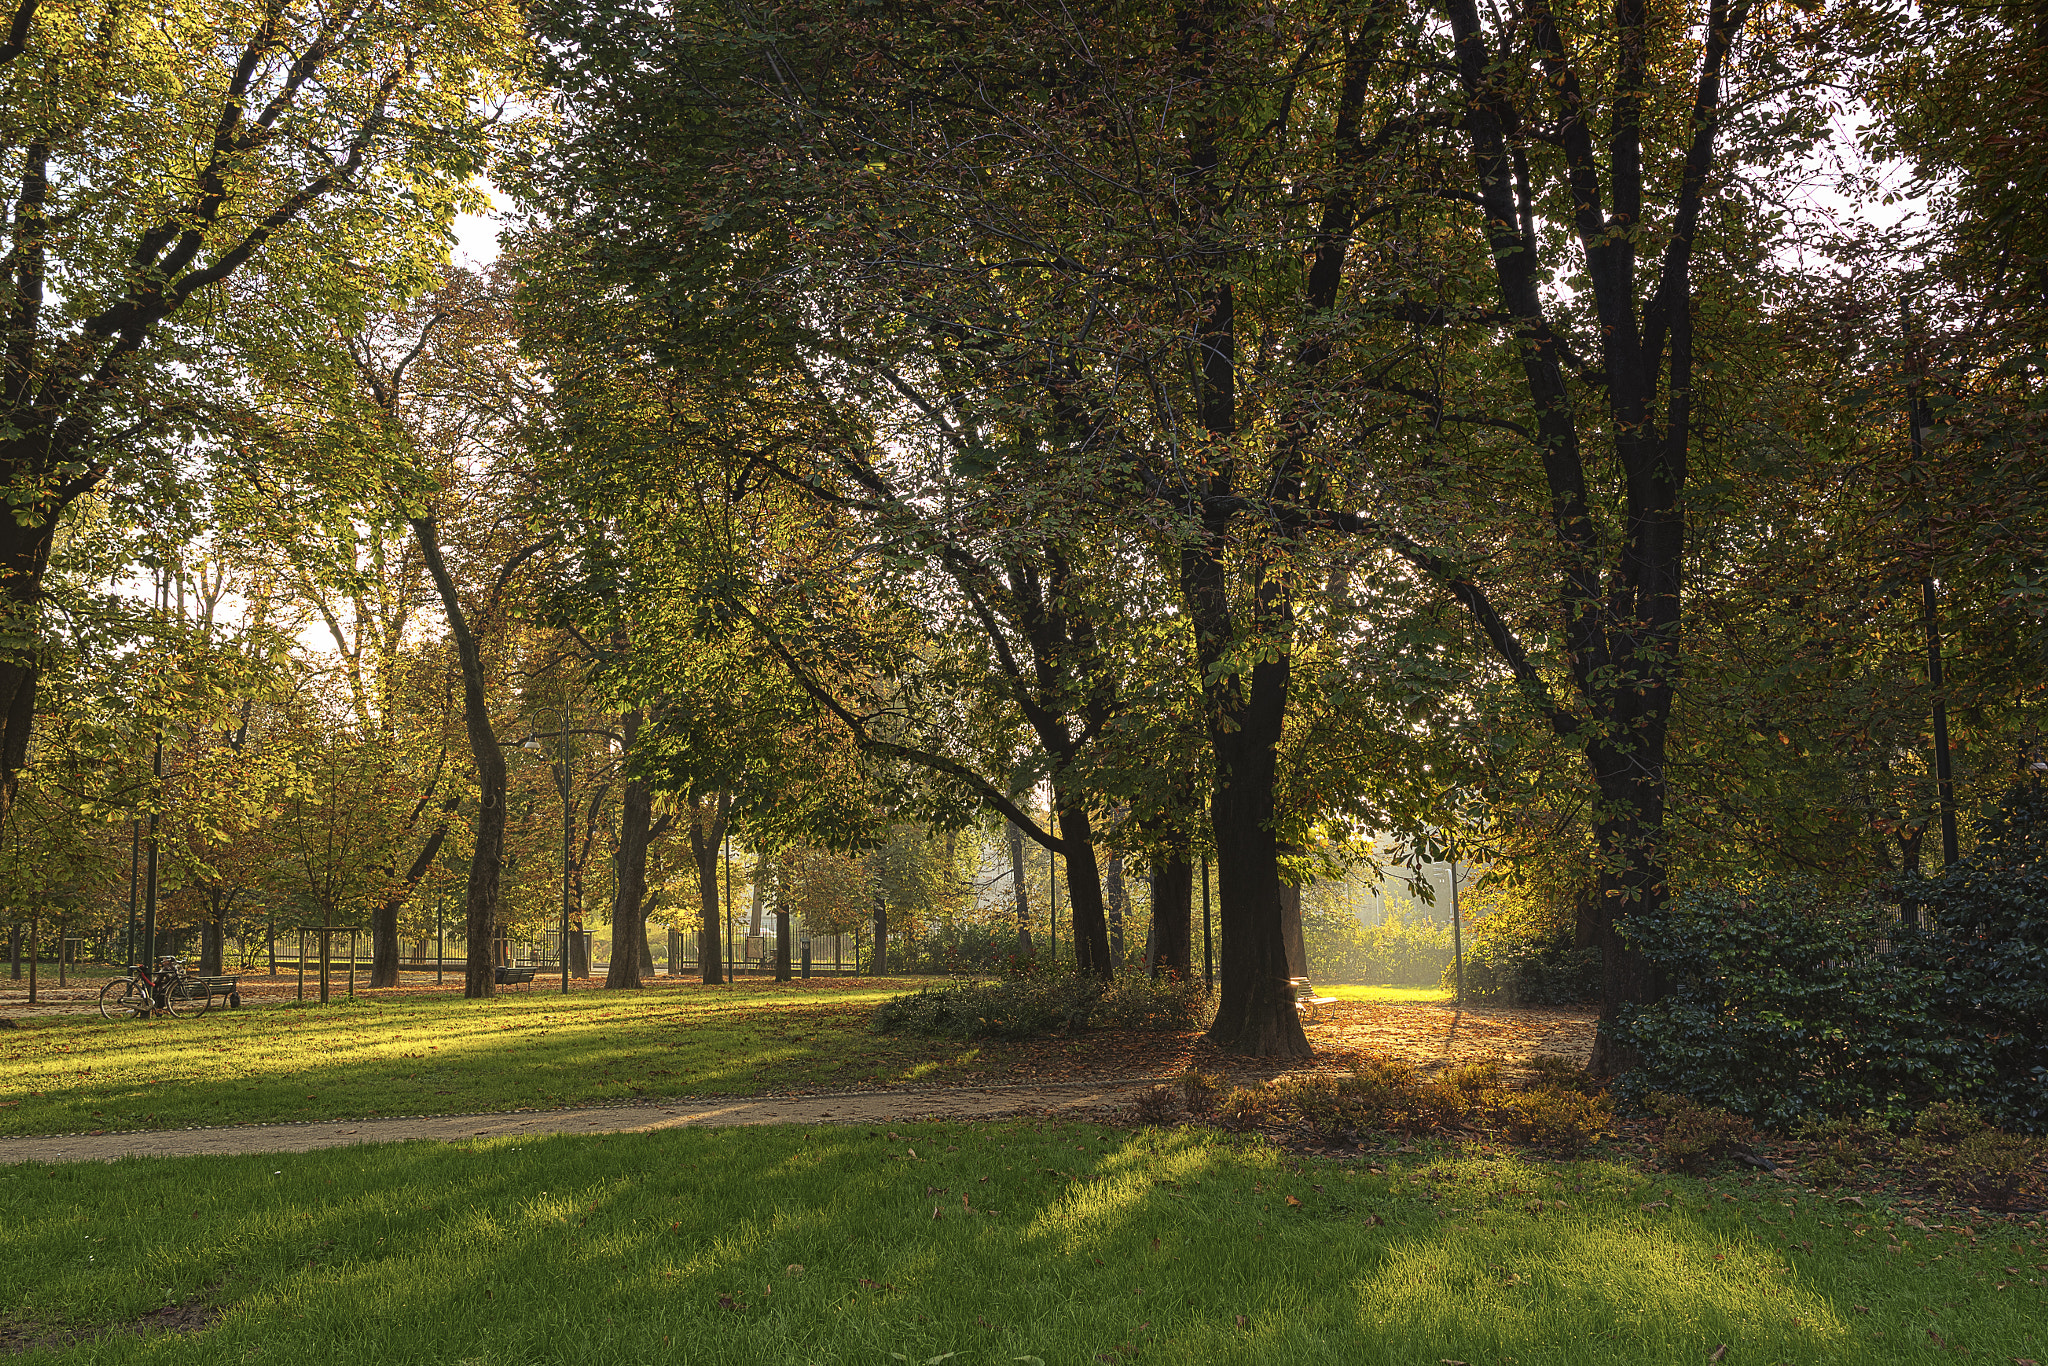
(202, 990)
(1306, 1002)
(510, 977)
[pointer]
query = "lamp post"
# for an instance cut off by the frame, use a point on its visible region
(1457, 931)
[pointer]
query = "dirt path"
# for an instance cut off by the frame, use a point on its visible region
(876, 1107)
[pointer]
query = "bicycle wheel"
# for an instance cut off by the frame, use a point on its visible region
(173, 1003)
(123, 999)
(192, 998)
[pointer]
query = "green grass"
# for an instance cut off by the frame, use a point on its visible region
(1384, 995)
(1084, 1245)
(410, 1055)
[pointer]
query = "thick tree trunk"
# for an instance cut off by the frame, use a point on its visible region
(384, 917)
(781, 944)
(878, 959)
(1633, 881)
(629, 902)
(213, 938)
(1084, 889)
(1173, 892)
(1255, 1011)
(480, 909)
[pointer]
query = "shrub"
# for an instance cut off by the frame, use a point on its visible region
(1841, 1144)
(1199, 1089)
(1554, 1073)
(1986, 958)
(1156, 1105)
(1695, 1136)
(1245, 1106)
(1018, 1008)
(1135, 1001)
(1783, 1006)
(1033, 1007)
(1990, 1166)
(1523, 955)
(1564, 1121)
(1791, 1003)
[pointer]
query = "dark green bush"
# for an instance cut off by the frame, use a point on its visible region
(1986, 956)
(1782, 1006)
(1033, 1007)
(1787, 1003)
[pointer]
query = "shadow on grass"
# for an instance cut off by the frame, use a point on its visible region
(1071, 1244)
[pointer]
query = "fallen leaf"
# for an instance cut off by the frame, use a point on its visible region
(728, 1302)
(1240, 1320)
(1290, 1200)
(1862, 1308)
(795, 1268)
(1656, 1204)
(1718, 1352)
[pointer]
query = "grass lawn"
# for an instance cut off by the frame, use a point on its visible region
(1074, 1245)
(1385, 995)
(410, 1055)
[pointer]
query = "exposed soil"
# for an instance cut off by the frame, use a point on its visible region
(193, 1316)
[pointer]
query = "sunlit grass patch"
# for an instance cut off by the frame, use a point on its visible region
(400, 1055)
(1069, 1243)
(1384, 995)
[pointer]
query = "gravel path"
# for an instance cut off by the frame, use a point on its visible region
(874, 1107)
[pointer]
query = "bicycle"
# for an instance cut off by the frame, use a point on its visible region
(144, 993)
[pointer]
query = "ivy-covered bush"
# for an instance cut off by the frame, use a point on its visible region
(1986, 956)
(1788, 1003)
(1520, 955)
(1782, 1006)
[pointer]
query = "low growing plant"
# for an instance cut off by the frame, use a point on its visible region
(1695, 1136)
(1034, 1007)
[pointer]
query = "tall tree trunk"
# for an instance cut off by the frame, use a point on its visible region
(1255, 1011)
(636, 818)
(707, 829)
(384, 916)
(213, 936)
(480, 908)
(1173, 891)
(878, 959)
(1084, 887)
(782, 944)
(1023, 898)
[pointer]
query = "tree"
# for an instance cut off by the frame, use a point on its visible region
(184, 174)
(1594, 152)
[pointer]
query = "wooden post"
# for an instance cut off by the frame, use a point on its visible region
(326, 933)
(351, 964)
(302, 963)
(35, 926)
